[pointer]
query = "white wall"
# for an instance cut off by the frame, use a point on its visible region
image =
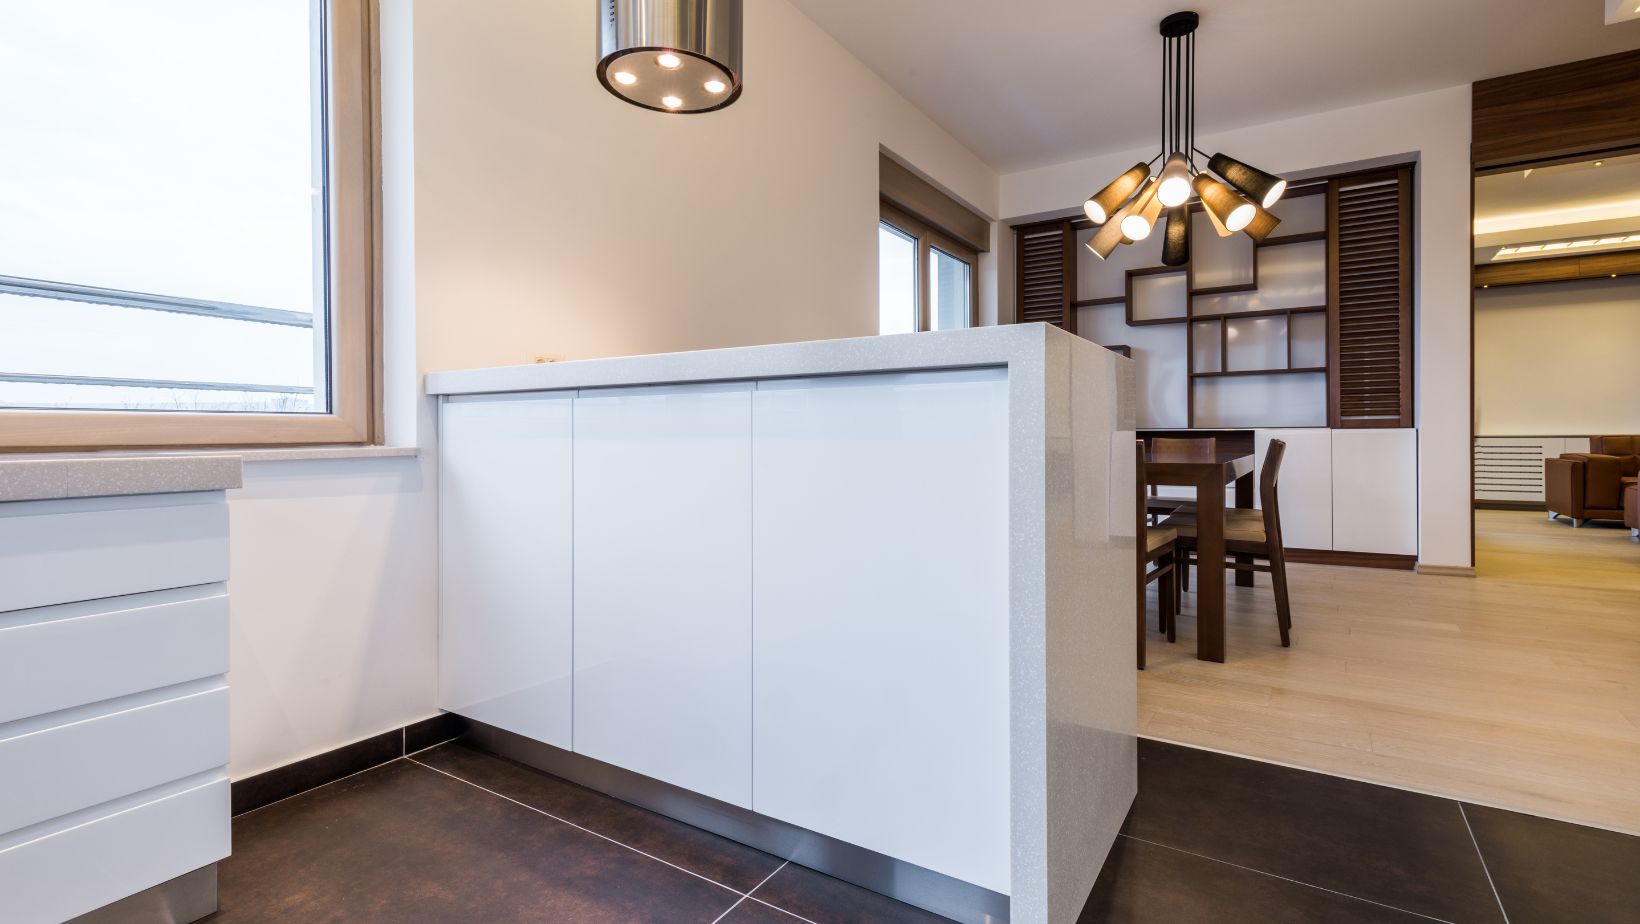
(554, 219)
(528, 212)
(1558, 359)
(1432, 127)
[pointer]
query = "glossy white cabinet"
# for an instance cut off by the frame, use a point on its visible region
(505, 553)
(1375, 491)
(663, 584)
(1305, 487)
(880, 612)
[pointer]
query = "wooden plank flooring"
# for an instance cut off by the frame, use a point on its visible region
(1519, 688)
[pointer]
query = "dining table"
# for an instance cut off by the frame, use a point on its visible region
(1230, 465)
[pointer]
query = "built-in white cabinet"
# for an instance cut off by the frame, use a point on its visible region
(1347, 490)
(1306, 485)
(1375, 491)
(663, 584)
(880, 644)
(506, 562)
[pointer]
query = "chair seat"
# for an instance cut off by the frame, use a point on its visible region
(1159, 537)
(1239, 525)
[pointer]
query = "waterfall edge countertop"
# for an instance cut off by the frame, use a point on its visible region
(61, 476)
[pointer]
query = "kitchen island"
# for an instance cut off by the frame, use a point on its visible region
(865, 604)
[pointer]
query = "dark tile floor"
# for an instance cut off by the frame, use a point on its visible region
(455, 835)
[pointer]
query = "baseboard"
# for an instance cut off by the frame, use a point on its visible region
(1509, 505)
(1352, 559)
(1446, 570)
(253, 792)
(183, 900)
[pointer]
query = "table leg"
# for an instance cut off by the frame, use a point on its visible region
(1210, 569)
(1244, 500)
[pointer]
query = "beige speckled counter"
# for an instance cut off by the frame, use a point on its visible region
(56, 477)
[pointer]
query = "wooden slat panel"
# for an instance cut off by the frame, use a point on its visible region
(1579, 108)
(1369, 329)
(1046, 273)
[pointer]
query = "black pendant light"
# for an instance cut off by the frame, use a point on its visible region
(671, 55)
(1237, 199)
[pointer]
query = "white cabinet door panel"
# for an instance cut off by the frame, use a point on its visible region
(1305, 486)
(1375, 491)
(880, 610)
(663, 559)
(505, 634)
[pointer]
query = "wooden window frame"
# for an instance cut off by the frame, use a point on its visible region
(353, 327)
(930, 238)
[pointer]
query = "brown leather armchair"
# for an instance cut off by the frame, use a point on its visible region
(1631, 509)
(1590, 485)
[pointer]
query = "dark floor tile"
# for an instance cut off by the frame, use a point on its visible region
(436, 730)
(1550, 871)
(407, 845)
(825, 900)
(719, 859)
(283, 782)
(750, 912)
(1146, 884)
(1390, 846)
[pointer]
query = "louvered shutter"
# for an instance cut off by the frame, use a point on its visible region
(1046, 273)
(1370, 299)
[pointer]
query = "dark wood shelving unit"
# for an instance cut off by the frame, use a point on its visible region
(1305, 370)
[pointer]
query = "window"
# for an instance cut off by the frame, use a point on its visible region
(925, 278)
(186, 223)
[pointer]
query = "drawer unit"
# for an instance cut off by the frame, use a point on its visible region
(60, 551)
(68, 761)
(66, 868)
(69, 655)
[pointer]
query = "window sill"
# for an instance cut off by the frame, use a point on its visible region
(247, 455)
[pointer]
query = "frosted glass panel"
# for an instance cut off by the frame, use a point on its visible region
(1158, 354)
(1206, 346)
(1290, 400)
(1255, 343)
(1309, 340)
(1218, 261)
(1096, 278)
(1293, 276)
(1162, 295)
(1301, 215)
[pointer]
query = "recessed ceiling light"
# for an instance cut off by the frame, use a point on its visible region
(1600, 163)
(669, 60)
(626, 78)
(671, 102)
(716, 86)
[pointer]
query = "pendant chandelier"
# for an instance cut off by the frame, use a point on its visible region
(1237, 198)
(671, 55)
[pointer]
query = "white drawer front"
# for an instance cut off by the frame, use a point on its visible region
(84, 554)
(77, 869)
(65, 656)
(92, 759)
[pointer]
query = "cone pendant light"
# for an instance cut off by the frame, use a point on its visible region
(1237, 199)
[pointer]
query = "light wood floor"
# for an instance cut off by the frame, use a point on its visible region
(1519, 688)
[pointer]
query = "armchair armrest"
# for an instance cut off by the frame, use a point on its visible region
(1563, 485)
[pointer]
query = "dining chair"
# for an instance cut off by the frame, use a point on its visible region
(1249, 535)
(1157, 555)
(1201, 449)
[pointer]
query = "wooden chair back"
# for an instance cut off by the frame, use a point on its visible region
(1140, 514)
(1202, 449)
(1267, 498)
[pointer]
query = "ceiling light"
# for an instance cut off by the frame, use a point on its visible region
(671, 55)
(1600, 163)
(1176, 243)
(1171, 189)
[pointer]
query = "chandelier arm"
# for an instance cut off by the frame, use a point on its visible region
(1190, 137)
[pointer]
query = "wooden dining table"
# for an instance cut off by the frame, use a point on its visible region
(1230, 465)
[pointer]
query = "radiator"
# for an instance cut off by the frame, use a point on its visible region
(1510, 468)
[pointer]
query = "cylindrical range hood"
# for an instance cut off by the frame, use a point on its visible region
(671, 55)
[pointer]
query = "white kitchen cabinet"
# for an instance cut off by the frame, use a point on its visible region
(505, 557)
(663, 584)
(1305, 486)
(880, 601)
(1375, 491)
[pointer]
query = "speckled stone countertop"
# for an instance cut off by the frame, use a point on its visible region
(56, 477)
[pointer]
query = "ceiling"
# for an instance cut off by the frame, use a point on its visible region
(1589, 199)
(1027, 83)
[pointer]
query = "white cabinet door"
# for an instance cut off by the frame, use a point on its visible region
(1375, 491)
(880, 610)
(505, 633)
(1305, 486)
(663, 559)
